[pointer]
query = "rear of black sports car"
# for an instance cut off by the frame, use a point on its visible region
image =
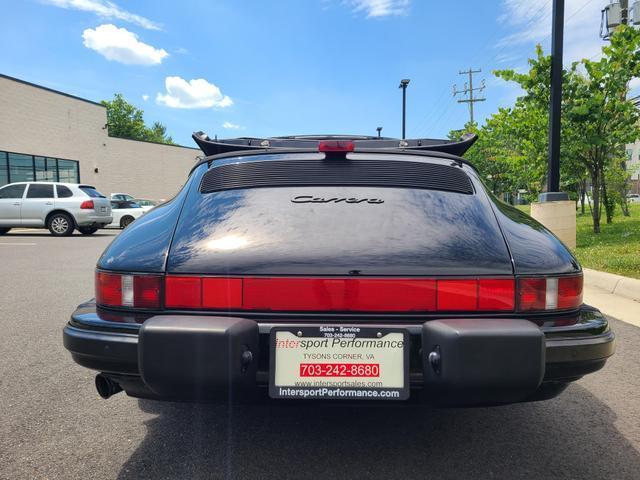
(334, 274)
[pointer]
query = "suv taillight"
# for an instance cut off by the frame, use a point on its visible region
(135, 291)
(549, 293)
(87, 205)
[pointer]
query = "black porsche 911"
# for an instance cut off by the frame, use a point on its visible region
(337, 268)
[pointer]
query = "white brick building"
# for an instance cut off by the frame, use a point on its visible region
(50, 135)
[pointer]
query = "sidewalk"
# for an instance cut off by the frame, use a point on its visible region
(613, 295)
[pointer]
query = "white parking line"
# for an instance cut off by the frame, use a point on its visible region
(16, 243)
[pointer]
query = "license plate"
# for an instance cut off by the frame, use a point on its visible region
(103, 209)
(340, 363)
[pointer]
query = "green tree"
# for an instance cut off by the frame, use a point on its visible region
(530, 121)
(607, 120)
(127, 121)
(597, 118)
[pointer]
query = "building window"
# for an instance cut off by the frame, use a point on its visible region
(18, 167)
(4, 171)
(21, 168)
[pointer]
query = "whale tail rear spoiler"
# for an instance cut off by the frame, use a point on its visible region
(311, 142)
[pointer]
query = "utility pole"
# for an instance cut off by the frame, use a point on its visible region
(403, 86)
(469, 90)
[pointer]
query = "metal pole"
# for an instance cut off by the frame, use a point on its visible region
(553, 175)
(403, 86)
(379, 129)
(404, 111)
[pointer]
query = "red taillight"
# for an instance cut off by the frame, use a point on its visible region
(147, 291)
(531, 294)
(335, 146)
(87, 205)
(108, 289)
(136, 291)
(570, 292)
(550, 293)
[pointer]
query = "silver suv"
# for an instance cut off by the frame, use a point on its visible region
(60, 207)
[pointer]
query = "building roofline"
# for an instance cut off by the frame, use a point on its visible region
(35, 85)
(156, 143)
(24, 82)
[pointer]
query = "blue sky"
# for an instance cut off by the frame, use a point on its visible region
(263, 68)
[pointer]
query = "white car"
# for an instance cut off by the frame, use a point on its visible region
(125, 197)
(124, 212)
(633, 197)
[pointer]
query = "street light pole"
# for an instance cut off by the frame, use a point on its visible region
(403, 86)
(555, 108)
(554, 209)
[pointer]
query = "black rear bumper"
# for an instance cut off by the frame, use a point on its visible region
(110, 342)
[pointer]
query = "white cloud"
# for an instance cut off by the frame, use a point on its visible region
(145, 97)
(196, 93)
(530, 21)
(380, 8)
(121, 45)
(105, 9)
(231, 126)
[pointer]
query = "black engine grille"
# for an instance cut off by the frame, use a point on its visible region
(370, 173)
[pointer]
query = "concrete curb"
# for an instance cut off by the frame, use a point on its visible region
(616, 284)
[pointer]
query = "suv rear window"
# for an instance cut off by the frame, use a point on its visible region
(63, 192)
(91, 191)
(37, 190)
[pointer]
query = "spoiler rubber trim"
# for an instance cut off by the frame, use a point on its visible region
(216, 147)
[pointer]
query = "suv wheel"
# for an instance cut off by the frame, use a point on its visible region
(87, 230)
(60, 225)
(126, 221)
(4, 230)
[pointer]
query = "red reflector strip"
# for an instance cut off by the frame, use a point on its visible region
(222, 293)
(183, 292)
(457, 295)
(336, 294)
(496, 294)
(339, 294)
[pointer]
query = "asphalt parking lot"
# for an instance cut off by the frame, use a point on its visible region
(53, 424)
